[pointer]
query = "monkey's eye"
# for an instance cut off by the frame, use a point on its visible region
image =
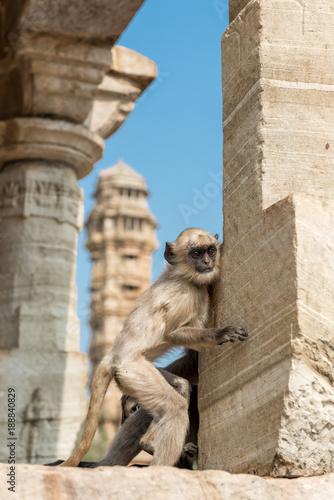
(195, 254)
(212, 251)
(134, 408)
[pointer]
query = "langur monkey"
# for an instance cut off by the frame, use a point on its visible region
(138, 431)
(187, 367)
(147, 441)
(173, 312)
(188, 457)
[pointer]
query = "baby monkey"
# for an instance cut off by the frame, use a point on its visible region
(189, 455)
(172, 312)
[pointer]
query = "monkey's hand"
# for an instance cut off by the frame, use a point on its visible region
(205, 337)
(229, 334)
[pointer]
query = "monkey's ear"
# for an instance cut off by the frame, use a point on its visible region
(216, 236)
(169, 254)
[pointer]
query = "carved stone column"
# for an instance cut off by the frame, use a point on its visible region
(267, 405)
(40, 216)
(55, 68)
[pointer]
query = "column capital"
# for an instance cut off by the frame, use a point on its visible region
(60, 98)
(53, 141)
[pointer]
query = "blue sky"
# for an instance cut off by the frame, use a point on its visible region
(174, 135)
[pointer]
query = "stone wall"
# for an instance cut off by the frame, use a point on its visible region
(269, 408)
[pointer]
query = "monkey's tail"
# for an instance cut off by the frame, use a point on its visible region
(103, 376)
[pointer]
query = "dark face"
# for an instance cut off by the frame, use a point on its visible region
(203, 258)
(129, 406)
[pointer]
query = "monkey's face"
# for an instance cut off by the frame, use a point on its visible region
(203, 258)
(129, 406)
(195, 254)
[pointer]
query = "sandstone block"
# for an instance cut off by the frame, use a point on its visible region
(268, 409)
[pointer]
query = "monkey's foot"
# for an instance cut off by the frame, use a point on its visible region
(86, 465)
(54, 464)
(191, 450)
(231, 334)
(188, 457)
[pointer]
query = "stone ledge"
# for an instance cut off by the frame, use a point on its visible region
(163, 483)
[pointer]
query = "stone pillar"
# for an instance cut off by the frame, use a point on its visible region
(40, 216)
(267, 405)
(55, 68)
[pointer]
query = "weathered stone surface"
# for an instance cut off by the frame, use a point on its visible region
(152, 483)
(39, 328)
(130, 63)
(102, 20)
(50, 401)
(235, 7)
(269, 409)
(129, 75)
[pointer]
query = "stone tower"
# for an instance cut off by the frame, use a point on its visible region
(121, 239)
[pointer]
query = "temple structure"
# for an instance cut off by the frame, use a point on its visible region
(266, 405)
(121, 239)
